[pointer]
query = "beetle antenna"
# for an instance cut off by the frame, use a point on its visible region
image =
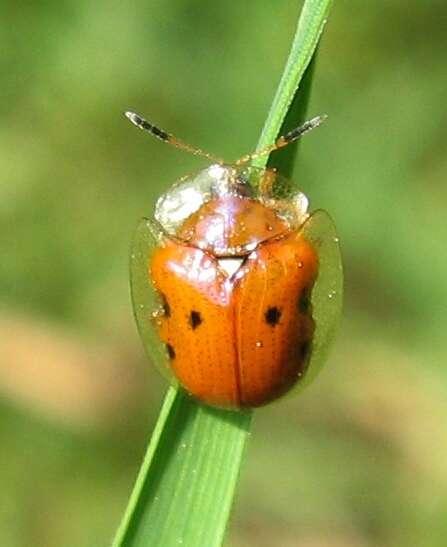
(170, 139)
(284, 140)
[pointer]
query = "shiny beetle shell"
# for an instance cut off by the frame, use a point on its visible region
(237, 289)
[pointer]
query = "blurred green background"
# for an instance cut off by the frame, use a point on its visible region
(360, 459)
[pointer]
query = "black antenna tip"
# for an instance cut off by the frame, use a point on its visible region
(315, 122)
(134, 118)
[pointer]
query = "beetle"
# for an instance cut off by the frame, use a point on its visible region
(237, 288)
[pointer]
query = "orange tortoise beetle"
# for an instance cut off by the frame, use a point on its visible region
(237, 289)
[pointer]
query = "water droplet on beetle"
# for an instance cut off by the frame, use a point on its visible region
(259, 344)
(300, 264)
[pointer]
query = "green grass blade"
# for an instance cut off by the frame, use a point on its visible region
(185, 487)
(310, 27)
(284, 160)
(186, 484)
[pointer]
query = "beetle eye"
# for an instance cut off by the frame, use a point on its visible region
(241, 187)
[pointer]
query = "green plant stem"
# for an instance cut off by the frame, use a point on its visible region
(190, 442)
(310, 27)
(284, 160)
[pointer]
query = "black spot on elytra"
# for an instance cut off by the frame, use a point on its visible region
(304, 349)
(272, 316)
(195, 319)
(165, 306)
(304, 301)
(171, 351)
